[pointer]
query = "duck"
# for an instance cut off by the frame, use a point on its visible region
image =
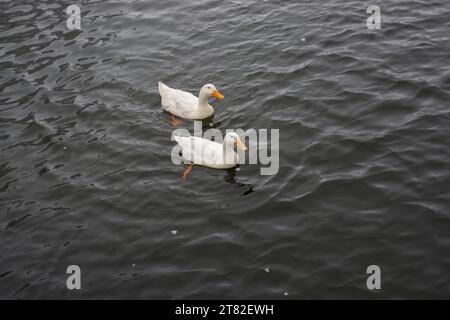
(187, 106)
(207, 153)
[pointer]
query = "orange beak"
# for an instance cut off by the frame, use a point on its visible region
(218, 95)
(240, 145)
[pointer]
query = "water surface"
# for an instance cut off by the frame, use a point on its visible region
(86, 176)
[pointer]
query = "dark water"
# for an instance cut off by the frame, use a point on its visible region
(86, 176)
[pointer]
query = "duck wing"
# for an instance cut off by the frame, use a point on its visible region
(177, 102)
(200, 151)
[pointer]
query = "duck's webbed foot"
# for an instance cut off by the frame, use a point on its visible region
(175, 122)
(187, 171)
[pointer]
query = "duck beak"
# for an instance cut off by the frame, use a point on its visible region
(218, 95)
(240, 145)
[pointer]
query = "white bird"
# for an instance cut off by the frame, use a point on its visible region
(185, 105)
(196, 150)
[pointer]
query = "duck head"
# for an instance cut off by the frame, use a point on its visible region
(232, 139)
(210, 90)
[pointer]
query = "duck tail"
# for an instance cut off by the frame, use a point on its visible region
(162, 88)
(178, 138)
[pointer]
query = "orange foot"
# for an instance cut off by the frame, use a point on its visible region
(175, 122)
(187, 171)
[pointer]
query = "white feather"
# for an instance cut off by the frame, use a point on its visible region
(183, 104)
(207, 153)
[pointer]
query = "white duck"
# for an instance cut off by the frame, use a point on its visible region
(208, 153)
(185, 105)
